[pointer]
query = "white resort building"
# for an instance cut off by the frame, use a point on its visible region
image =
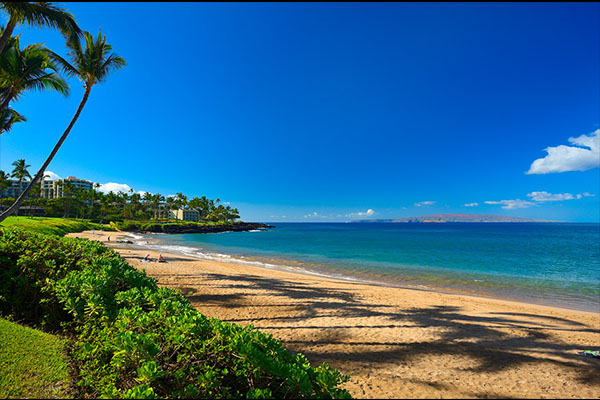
(49, 189)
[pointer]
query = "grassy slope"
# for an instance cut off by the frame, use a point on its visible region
(53, 226)
(33, 364)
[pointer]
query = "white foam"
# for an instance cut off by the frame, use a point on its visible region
(214, 256)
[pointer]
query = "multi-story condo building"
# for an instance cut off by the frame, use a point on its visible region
(162, 212)
(13, 190)
(49, 189)
(54, 189)
(185, 215)
(181, 214)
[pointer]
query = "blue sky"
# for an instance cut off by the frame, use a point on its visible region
(322, 112)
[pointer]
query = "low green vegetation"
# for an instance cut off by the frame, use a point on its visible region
(33, 364)
(52, 226)
(131, 339)
(180, 227)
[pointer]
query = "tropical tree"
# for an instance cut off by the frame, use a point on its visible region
(9, 117)
(34, 196)
(104, 203)
(172, 205)
(156, 200)
(68, 190)
(4, 182)
(147, 198)
(91, 64)
(92, 195)
(23, 70)
(21, 171)
(181, 200)
(37, 14)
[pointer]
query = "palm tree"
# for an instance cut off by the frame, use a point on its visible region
(9, 117)
(92, 196)
(104, 205)
(156, 200)
(20, 172)
(37, 14)
(30, 68)
(92, 65)
(4, 183)
(34, 196)
(68, 189)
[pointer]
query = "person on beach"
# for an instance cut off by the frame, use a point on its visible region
(147, 258)
(161, 259)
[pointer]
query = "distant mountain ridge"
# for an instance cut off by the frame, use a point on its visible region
(455, 218)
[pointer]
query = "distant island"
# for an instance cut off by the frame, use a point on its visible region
(454, 218)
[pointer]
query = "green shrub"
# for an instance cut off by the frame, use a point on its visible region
(132, 339)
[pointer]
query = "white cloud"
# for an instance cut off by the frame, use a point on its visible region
(314, 214)
(367, 213)
(569, 158)
(51, 176)
(545, 196)
(471, 204)
(114, 187)
(513, 204)
(425, 203)
(586, 194)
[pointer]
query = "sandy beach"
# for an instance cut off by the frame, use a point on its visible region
(395, 343)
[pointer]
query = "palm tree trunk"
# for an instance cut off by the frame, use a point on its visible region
(40, 173)
(7, 33)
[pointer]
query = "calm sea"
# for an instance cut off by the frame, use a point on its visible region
(545, 263)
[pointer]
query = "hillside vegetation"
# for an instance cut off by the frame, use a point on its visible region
(52, 226)
(128, 338)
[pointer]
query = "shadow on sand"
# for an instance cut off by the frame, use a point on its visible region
(496, 342)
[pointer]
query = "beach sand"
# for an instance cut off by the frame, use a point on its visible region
(395, 343)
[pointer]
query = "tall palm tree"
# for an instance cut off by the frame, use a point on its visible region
(91, 64)
(92, 197)
(9, 117)
(68, 190)
(30, 68)
(21, 171)
(34, 196)
(37, 14)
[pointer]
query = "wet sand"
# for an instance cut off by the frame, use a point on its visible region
(395, 343)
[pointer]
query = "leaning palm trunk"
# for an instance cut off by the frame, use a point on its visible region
(40, 174)
(7, 33)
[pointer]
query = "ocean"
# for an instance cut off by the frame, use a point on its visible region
(556, 264)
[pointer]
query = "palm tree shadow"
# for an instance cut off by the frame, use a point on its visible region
(494, 342)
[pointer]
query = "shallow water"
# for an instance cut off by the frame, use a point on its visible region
(550, 263)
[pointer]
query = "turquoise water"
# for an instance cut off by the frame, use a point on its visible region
(553, 264)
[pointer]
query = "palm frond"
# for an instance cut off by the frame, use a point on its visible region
(43, 14)
(9, 117)
(91, 60)
(68, 69)
(48, 81)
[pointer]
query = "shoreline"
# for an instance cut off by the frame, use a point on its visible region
(393, 342)
(493, 290)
